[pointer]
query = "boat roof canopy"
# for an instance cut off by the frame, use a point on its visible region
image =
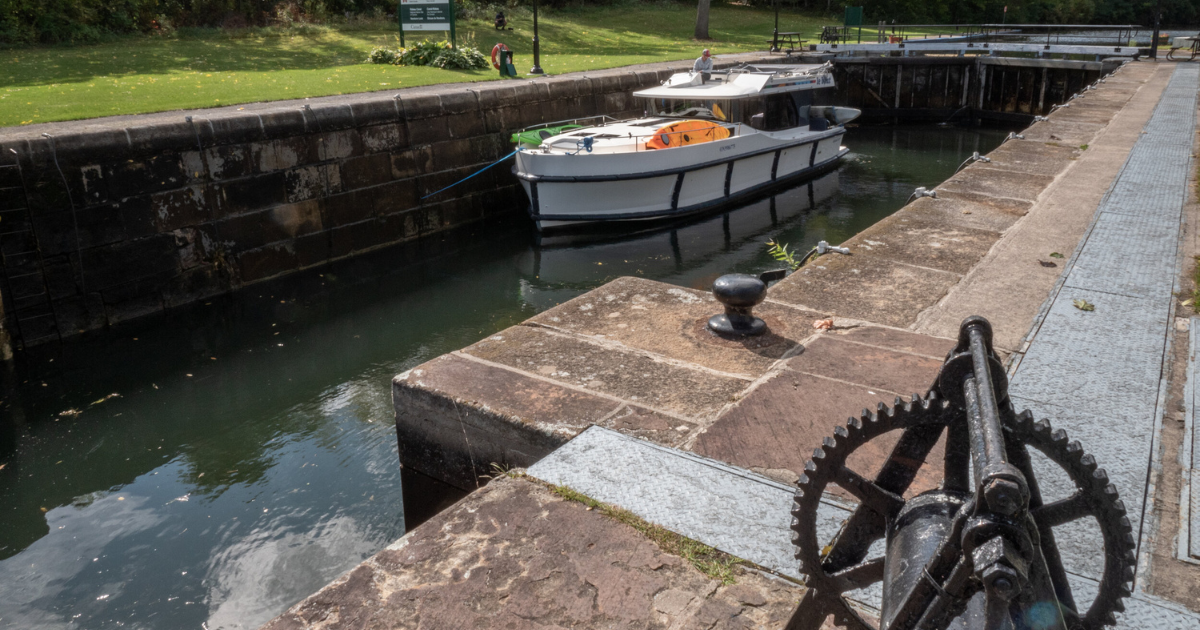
(743, 82)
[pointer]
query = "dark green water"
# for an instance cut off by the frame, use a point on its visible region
(249, 454)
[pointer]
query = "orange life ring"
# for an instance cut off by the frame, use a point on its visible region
(685, 132)
(498, 49)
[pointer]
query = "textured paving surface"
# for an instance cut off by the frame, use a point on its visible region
(725, 507)
(1188, 458)
(1098, 374)
(722, 506)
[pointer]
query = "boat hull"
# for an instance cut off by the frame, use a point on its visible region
(704, 178)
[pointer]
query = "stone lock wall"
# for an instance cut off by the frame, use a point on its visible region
(111, 220)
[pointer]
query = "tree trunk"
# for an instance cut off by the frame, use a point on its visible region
(702, 20)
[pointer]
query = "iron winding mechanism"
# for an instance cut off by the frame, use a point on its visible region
(978, 552)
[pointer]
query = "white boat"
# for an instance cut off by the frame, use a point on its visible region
(705, 140)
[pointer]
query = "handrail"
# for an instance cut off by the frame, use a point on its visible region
(1001, 32)
(572, 121)
(735, 130)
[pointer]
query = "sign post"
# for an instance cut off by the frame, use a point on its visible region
(422, 16)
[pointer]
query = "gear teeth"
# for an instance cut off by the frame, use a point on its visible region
(898, 402)
(1103, 503)
(915, 399)
(840, 432)
(854, 423)
(818, 455)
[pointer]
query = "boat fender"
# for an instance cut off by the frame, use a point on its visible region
(498, 55)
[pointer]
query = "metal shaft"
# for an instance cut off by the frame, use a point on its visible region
(983, 415)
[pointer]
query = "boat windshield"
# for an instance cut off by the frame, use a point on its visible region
(691, 108)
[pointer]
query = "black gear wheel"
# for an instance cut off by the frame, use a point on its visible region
(1094, 497)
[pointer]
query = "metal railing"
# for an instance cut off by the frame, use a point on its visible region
(641, 141)
(1099, 34)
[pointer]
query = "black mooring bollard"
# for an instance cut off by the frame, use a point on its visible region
(740, 293)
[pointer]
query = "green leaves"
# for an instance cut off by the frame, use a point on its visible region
(428, 52)
(781, 253)
(1083, 305)
(1056, 255)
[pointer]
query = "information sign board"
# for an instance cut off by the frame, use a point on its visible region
(426, 15)
(854, 16)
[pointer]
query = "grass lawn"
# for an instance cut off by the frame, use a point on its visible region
(210, 68)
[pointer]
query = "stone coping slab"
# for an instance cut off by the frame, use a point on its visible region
(516, 555)
(636, 377)
(865, 286)
(670, 321)
(913, 240)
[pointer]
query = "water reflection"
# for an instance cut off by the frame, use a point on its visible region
(249, 456)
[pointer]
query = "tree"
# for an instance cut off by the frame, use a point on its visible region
(702, 20)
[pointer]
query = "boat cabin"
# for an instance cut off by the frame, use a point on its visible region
(766, 99)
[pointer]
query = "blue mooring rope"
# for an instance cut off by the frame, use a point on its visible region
(472, 175)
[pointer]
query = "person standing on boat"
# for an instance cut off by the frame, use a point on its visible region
(703, 65)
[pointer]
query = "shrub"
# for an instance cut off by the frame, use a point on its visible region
(383, 55)
(461, 58)
(431, 53)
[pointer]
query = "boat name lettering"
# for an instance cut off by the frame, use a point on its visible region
(728, 147)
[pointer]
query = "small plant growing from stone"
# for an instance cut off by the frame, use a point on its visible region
(781, 253)
(784, 255)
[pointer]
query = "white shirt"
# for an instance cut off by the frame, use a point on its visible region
(703, 64)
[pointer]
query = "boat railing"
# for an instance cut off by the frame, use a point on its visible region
(588, 121)
(640, 140)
